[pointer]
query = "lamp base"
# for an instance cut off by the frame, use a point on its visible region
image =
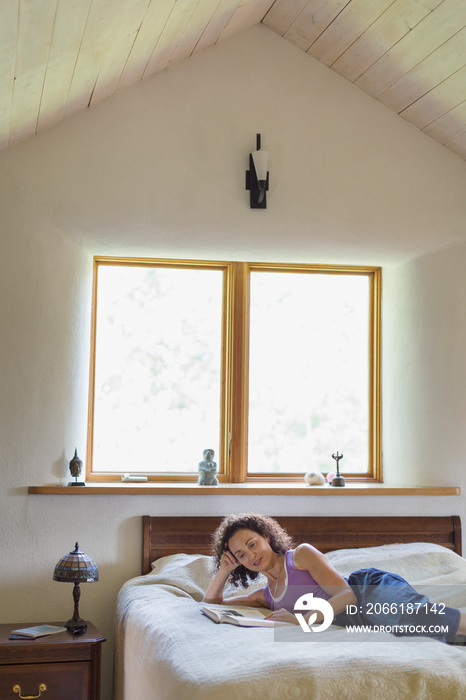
(76, 626)
(76, 483)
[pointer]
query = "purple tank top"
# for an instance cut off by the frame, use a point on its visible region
(297, 583)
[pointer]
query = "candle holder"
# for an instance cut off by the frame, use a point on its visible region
(338, 480)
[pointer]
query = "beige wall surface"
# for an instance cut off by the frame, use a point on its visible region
(158, 170)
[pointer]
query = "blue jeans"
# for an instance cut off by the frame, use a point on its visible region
(385, 599)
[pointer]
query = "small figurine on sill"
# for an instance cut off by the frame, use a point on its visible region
(76, 467)
(208, 469)
(338, 480)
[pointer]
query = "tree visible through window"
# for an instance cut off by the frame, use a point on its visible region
(274, 367)
(157, 368)
(308, 372)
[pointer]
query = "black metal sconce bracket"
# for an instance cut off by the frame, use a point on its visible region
(257, 188)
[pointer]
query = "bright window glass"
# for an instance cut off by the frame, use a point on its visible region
(308, 372)
(157, 388)
(274, 367)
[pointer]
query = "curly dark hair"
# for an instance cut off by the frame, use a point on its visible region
(279, 540)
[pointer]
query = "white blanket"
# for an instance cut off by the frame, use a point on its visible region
(167, 650)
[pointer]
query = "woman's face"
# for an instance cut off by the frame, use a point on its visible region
(251, 549)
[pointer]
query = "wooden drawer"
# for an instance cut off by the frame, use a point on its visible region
(63, 681)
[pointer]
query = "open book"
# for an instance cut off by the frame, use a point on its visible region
(243, 616)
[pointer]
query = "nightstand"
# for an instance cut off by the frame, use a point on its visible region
(51, 668)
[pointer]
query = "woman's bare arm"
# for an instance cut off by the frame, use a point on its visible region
(214, 593)
(325, 575)
(308, 558)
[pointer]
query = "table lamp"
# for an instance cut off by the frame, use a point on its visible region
(76, 567)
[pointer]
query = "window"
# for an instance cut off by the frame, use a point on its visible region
(274, 367)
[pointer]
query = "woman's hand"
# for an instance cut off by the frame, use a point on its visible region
(282, 615)
(228, 562)
(214, 593)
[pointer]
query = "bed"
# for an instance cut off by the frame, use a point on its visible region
(167, 650)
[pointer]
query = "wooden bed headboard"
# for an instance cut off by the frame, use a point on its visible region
(192, 535)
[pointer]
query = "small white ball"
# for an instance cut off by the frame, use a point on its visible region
(312, 478)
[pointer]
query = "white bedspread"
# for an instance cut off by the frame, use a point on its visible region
(167, 650)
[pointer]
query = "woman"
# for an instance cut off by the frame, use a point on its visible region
(247, 545)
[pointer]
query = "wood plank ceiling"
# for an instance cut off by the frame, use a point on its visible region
(60, 56)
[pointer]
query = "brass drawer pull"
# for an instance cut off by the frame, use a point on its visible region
(17, 689)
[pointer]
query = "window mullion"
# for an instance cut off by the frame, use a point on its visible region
(238, 380)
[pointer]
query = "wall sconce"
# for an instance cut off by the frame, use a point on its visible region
(257, 177)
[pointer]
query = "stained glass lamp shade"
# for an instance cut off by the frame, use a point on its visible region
(76, 567)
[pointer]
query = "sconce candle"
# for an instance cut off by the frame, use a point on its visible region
(257, 177)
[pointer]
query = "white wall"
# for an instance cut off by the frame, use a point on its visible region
(424, 375)
(159, 170)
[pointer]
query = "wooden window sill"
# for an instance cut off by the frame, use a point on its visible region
(245, 489)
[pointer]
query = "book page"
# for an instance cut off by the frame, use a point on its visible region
(238, 611)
